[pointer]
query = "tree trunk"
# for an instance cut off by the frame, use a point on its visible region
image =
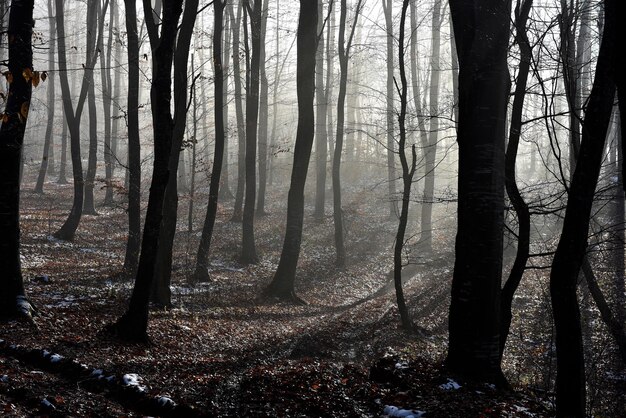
(407, 179)
(519, 205)
(131, 259)
(282, 285)
(202, 258)
(161, 295)
(482, 34)
(391, 165)
(248, 248)
(430, 148)
(241, 125)
(263, 116)
(63, 163)
(50, 98)
(224, 189)
(133, 325)
(570, 380)
(105, 75)
(20, 31)
(321, 135)
(92, 160)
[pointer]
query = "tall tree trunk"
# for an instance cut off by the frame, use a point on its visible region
(105, 75)
(241, 125)
(202, 257)
(391, 165)
(50, 98)
(92, 159)
(12, 127)
(224, 189)
(519, 205)
(570, 380)
(407, 179)
(68, 229)
(161, 295)
(248, 248)
(263, 116)
(131, 258)
(430, 148)
(321, 134)
(282, 285)
(133, 325)
(482, 34)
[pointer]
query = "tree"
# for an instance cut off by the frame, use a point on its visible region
(68, 229)
(430, 146)
(481, 32)
(263, 115)
(248, 248)
(522, 11)
(201, 271)
(161, 294)
(570, 380)
(131, 258)
(12, 126)
(407, 178)
(241, 126)
(344, 54)
(282, 285)
(321, 133)
(133, 325)
(391, 166)
(43, 170)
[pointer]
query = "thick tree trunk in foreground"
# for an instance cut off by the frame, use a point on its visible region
(133, 325)
(282, 285)
(12, 126)
(201, 273)
(482, 32)
(570, 380)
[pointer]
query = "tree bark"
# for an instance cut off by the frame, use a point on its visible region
(12, 127)
(263, 116)
(201, 273)
(321, 134)
(248, 248)
(241, 125)
(133, 325)
(43, 170)
(481, 32)
(133, 243)
(282, 285)
(570, 380)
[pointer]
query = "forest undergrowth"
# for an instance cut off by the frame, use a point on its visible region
(222, 350)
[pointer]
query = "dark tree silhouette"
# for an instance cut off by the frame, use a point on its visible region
(12, 126)
(133, 325)
(282, 285)
(481, 30)
(131, 259)
(570, 380)
(201, 270)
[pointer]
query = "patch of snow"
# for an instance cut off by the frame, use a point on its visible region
(96, 372)
(394, 411)
(110, 378)
(133, 379)
(402, 365)
(55, 358)
(450, 385)
(4, 378)
(164, 401)
(46, 353)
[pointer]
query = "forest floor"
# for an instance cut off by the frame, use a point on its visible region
(224, 351)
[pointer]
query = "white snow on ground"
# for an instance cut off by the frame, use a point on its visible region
(133, 379)
(47, 404)
(395, 412)
(96, 373)
(55, 358)
(165, 401)
(450, 385)
(4, 378)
